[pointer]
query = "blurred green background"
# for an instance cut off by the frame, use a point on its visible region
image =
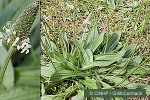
(22, 78)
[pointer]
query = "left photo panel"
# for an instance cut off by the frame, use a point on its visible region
(19, 50)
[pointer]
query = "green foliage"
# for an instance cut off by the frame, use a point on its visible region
(90, 63)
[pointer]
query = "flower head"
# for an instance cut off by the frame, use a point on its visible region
(16, 34)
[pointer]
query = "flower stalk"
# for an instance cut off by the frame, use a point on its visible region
(5, 64)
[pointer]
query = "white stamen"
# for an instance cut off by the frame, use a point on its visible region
(22, 51)
(15, 42)
(23, 45)
(27, 40)
(8, 40)
(18, 47)
(26, 48)
(29, 46)
(27, 51)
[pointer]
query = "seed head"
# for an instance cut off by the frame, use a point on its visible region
(24, 22)
(16, 34)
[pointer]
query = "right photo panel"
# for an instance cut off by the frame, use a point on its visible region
(95, 50)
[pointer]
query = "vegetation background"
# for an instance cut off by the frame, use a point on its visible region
(22, 77)
(130, 17)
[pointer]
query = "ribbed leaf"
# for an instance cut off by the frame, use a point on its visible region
(92, 34)
(64, 40)
(51, 97)
(70, 65)
(127, 50)
(96, 42)
(21, 93)
(109, 56)
(79, 96)
(104, 85)
(27, 76)
(97, 64)
(87, 57)
(90, 83)
(62, 74)
(139, 86)
(72, 59)
(112, 42)
(47, 71)
(136, 60)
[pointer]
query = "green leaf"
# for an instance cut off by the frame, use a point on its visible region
(87, 57)
(70, 65)
(104, 85)
(96, 42)
(97, 64)
(127, 50)
(79, 96)
(92, 34)
(90, 83)
(116, 79)
(8, 80)
(119, 71)
(136, 60)
(64, 40)
(51, 97)
(62, 74)
(112, 42)
(48, 45)
(47, 71)
(109, 56)
(27, 76)
(21, 93)
(72, 59)
(139, 86)
(141, 70)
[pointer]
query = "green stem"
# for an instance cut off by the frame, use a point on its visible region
(5, 64)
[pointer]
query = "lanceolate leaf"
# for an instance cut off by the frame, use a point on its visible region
(140, 86)
(109, 56)
(90, 83)
(96, 42)
(51, 97)
(64, 40)
(136, 60)
(27, 76)
(21, 93)
(87, 57)
(98, 64)
(112, 42)
(127, 50)
(64, 74)
(92, 34)
(79, 96)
